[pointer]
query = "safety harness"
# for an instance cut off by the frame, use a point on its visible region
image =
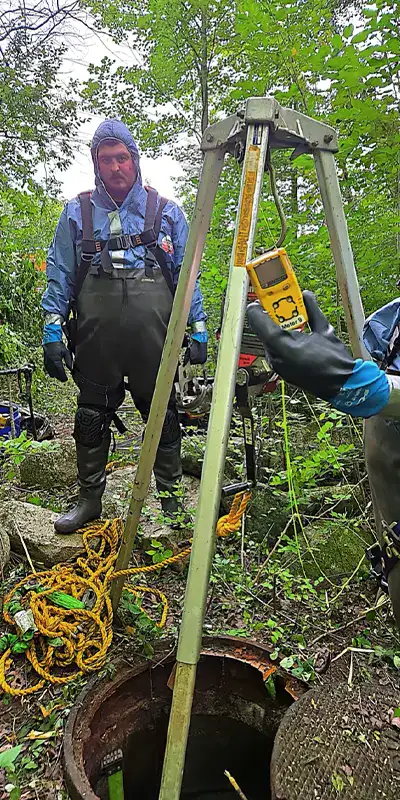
(91, 247)
(125, 241)
(392, 351)
(383, 559)
(154, 255)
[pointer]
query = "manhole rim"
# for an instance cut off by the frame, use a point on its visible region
(74, 773)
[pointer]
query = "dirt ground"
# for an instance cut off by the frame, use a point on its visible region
(320, 634)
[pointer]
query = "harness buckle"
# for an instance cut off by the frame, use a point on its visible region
(391, 535)
(149, 238)
(383, 559)
(375, 556)
(123, 242)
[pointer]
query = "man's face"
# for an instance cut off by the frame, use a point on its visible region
(117, 169)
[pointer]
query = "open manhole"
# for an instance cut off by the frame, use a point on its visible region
(233, 726)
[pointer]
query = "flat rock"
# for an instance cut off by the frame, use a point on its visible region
(50, 466)
(36, 526)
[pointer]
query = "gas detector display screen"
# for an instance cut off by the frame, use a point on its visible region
(270, 272)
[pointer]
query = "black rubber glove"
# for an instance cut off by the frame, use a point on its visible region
(55, 353)
(317, 362)
(196, 353)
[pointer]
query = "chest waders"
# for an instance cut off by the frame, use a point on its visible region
(117, 327)
(382, 455)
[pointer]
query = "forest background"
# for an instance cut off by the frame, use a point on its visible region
(193, 62)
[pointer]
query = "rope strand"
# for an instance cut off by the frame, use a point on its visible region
(78, 638)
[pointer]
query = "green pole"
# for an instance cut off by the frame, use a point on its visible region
(210, 490)
(116, 786)
(111, 766)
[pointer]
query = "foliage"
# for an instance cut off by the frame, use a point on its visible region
(334, 61)
(38, 113)
(145, 629)
(183, 62)
(13, 451)
(27, 221)
(158, 553)
(9, 756)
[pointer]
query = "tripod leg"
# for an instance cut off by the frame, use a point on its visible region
(212, 475)
(341, 249)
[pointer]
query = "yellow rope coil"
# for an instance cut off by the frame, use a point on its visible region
(78, 639)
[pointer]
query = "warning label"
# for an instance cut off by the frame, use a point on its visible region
(251, 167)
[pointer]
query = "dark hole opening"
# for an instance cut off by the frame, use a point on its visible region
(215, 744)
(233, 728)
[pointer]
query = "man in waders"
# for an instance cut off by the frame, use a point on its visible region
(112, 270)
(321, 364)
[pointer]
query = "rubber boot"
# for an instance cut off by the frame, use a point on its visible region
(91, 463)
(168, 475)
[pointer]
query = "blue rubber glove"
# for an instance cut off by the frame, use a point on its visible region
(320, 363)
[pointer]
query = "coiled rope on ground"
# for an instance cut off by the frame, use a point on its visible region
(77, 638)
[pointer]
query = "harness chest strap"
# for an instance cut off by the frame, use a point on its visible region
(148, 238)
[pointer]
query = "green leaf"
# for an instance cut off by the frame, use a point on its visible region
(288, 662)
(360, 37)
(20, 647)
(396, 662)
(348, 31)
(270, 687)
(274, 655)
(30, 764)
(35, 501)
(396, 712)
(338, 782)
(56, 642)
(8, 757)
(337, 41)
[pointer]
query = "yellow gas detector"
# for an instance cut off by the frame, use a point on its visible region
(275, 284)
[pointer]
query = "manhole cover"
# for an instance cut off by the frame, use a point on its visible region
(338, 744)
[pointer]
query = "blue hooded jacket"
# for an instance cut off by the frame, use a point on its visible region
(128, 218)
(379, 329)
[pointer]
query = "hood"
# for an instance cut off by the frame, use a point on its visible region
(114, 129)
(380, 329)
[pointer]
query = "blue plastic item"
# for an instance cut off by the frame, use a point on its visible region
(5, 429)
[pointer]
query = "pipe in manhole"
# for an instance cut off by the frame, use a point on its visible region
(233, 726)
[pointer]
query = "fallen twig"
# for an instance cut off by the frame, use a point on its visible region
(235, 785)
(352, 650)
(26, 551)
(381, 603)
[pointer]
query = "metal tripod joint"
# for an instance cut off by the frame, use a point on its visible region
(287, 129)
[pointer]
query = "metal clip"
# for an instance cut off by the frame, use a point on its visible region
(123, 241)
